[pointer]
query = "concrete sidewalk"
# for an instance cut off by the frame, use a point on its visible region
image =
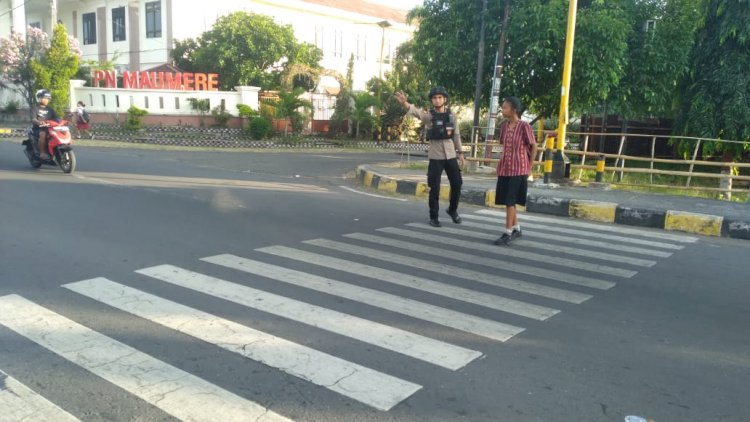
(681, 213)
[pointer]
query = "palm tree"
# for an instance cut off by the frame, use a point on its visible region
(361, 114)
(289, 103)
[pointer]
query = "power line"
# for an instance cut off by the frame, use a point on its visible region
(9, 11)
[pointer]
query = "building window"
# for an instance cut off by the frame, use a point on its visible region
(361, 47)
(118, 24)
(153, 19)
(319, 38)
(89, 28)
(650, 25)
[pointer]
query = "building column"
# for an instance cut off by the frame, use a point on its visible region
(18, 12)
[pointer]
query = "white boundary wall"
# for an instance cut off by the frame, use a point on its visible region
(158, 101)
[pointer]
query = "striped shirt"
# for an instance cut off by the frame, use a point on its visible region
(517, 144)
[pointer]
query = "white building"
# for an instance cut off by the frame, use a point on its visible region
(139, 34)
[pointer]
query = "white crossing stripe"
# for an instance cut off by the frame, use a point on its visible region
(490, 262)
(365, 385)
(20, 403)
(431, 286)
(500, 303)
(401, 341)
(583, 233)
(172, 390)
(568, 239)
(435, 314)
(460, 272)
(532, 244)
(607, 228)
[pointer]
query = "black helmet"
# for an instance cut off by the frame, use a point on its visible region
(438, 90)
(43, 93)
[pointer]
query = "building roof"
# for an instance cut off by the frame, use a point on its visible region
(364, 7)
(165, 67)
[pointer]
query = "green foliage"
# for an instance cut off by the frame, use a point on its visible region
(614, 59)
(717, 92)
(259, 127)
(201, 105)
(220, 115)
(287, 108)
(246, 111)
(658, 57)
(245, 49)
(56, 68)
(361, 115)
(135, 118)
(11, 107)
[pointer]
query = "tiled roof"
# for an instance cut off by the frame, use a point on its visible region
(365, 8)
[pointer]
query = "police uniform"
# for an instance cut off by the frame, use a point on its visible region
(442, 153)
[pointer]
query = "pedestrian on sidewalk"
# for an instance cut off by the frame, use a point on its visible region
(514, 167)
(82, 121)
(444, 152)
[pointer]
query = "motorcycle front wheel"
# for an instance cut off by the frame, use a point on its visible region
(67, 161)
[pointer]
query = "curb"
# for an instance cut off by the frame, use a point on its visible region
(604, 212)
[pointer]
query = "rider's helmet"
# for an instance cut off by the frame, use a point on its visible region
(438, 90)
(43, 93)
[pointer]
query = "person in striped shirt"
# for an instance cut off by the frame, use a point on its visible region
(514, 167)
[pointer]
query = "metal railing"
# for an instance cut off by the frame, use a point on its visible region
(618, 168)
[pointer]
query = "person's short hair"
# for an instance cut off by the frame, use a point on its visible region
(516, 103)
(80, 103)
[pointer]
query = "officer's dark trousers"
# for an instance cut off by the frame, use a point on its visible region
(434, 172)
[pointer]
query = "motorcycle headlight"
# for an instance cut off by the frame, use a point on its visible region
(60, 129)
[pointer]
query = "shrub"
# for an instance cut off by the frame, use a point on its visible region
(135, 118)
(10, 108)
(259, 127)
(221, 116)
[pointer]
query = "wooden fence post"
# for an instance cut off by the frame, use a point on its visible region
(692, 164)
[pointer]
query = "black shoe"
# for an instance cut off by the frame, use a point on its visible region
(503, 240)
(434, 222)
(455, 217)
(516, 234)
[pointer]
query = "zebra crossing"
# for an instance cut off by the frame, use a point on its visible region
(457, 278)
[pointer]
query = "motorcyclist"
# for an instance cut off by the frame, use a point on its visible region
(42, 115)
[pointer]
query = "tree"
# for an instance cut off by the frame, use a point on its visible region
(717, 91)
(245, 49)
(16, 54)
(288, 107)
(55, 69)
(615, 59)
(361, 114)
(19, 52)
(662, 36)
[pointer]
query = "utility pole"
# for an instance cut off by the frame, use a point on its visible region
(497, 82)
(480, 76)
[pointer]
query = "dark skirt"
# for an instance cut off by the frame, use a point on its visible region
(511, 190)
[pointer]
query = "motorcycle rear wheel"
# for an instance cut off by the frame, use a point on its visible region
(67, 161)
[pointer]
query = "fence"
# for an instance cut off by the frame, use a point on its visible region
(618, 161)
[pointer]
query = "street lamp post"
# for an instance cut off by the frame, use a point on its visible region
(382, 24)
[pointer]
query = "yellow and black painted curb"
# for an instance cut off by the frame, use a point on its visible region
(606, 212)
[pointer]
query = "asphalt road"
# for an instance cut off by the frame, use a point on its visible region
(148, 286)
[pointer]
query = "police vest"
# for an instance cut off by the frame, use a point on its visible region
(442, 126)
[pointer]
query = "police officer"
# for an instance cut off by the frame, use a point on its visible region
(444, 152)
